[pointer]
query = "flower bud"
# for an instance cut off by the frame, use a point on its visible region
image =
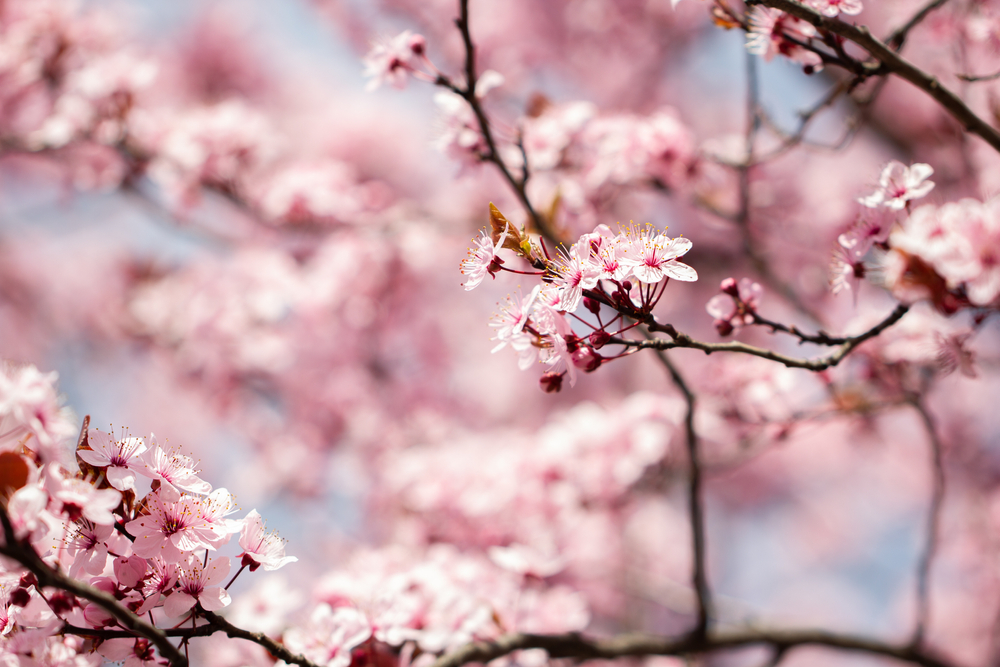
(585, 358)
(418, 45)
(551, 382)
(593, 305)
(724, 327)
(730, 287)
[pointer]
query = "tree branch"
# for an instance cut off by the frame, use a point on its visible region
(26, 555)
(890, 61)
(678, 339)
(933, 524)
(630, 645)
(468, 93)
(696, 511)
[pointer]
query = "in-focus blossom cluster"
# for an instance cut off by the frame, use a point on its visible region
(627, 271)
(135, 522)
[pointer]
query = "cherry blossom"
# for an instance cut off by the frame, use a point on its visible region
(767, 37)
(121, 457)
(899, 184)
(196, 585)
(261, 548)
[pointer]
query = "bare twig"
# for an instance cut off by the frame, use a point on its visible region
(696, 510)
(26, 555)
(579, 647)
(678, 339)
(972, 78)
(933, 524)
(273, 647)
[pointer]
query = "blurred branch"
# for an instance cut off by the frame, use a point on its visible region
(678, 339)
(632, 645)
(933, 524)
(891, 62)
(25, 554)
(742, 218)
(468, 93)
(696, 510)
(896, 40)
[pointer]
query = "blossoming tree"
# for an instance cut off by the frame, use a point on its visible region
(740, 409)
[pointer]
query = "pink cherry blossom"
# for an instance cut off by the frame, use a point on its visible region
(175, 526)
(172, 469)
(120, 457)
(391, 59)
(261, 548)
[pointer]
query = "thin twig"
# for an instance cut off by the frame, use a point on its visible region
(273, 647)
(578, 647)
(678, 339)
(468, 93)
(898, 36)
(933, 524)
(696, 510)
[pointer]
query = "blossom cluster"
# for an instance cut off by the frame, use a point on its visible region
(949, 254)
(627, 271)
(134, 520)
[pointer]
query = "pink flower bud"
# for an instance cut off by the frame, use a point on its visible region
(730, 287)
(551, 382)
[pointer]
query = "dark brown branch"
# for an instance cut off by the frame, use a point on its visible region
(26, 555)
(898, 37)
(582, 648)
(933, 524)
(215, 624)
(819, 338)
(678, 339)
(696, 510)
(890, 61)
(468, 93)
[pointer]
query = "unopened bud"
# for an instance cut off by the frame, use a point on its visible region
(418, 45)
(729, 286)
(724, 327)
(572, 343)
(586, 359)
(599, 339)
(593, 305)
(551, 382)
(62, 602)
